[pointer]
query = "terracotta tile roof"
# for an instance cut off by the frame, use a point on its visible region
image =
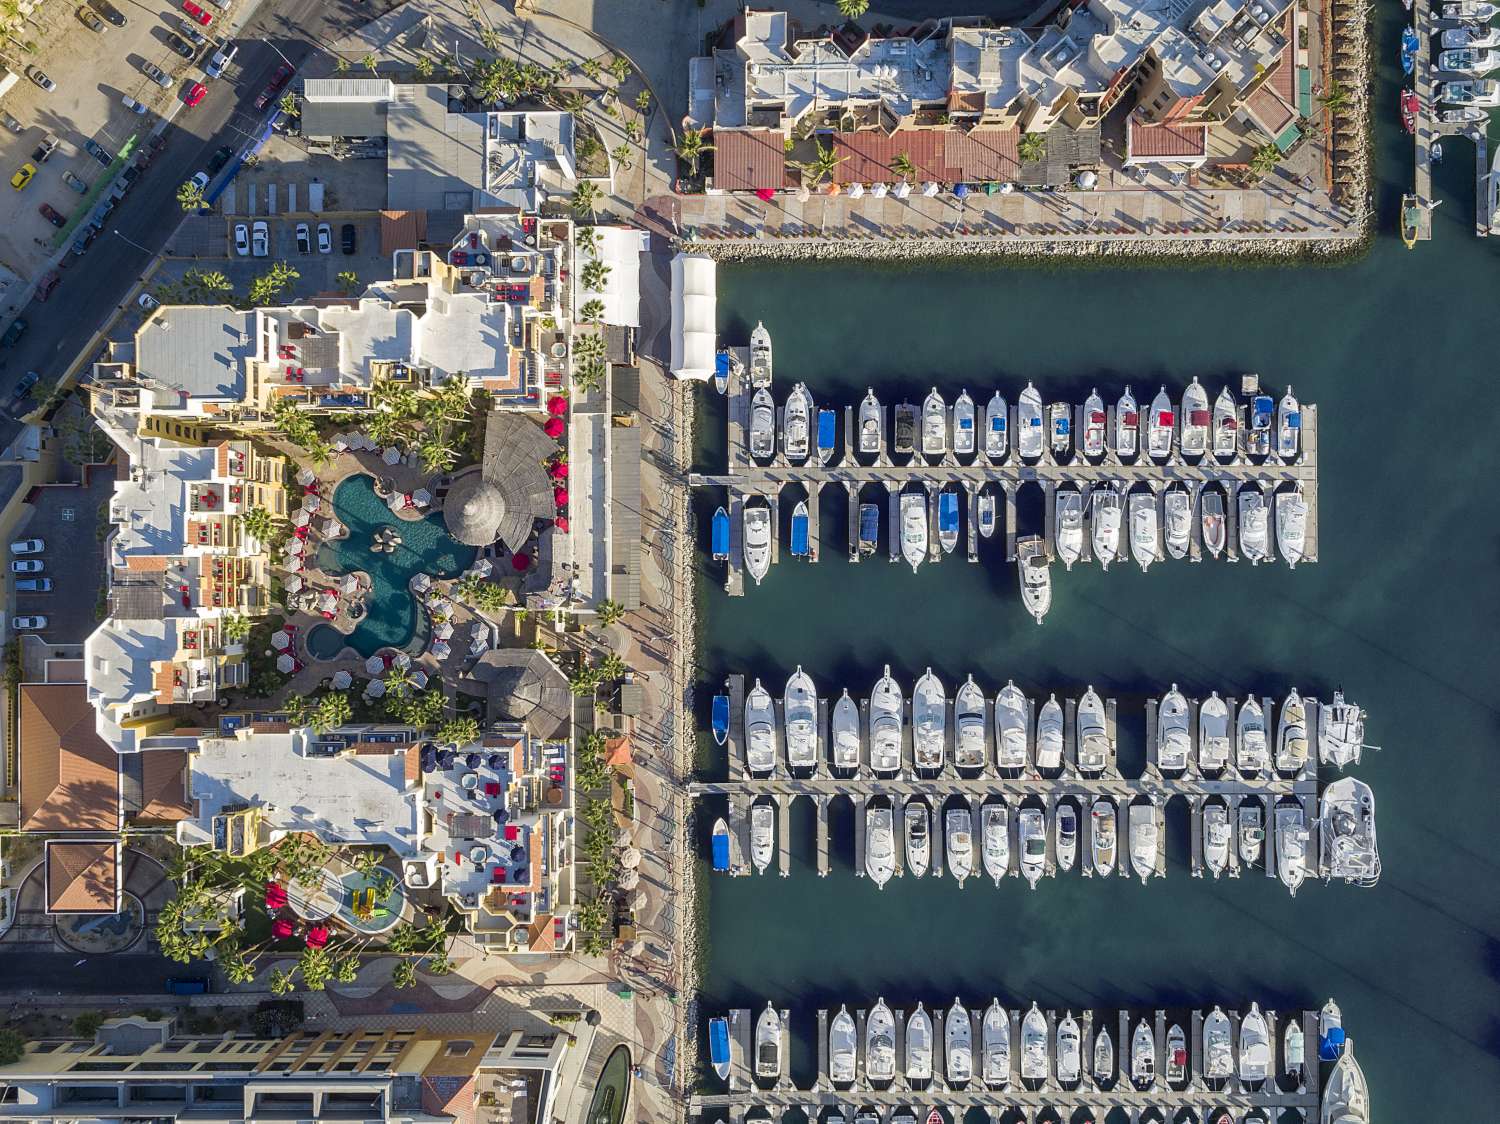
(1269, 110)
(1282, 78)
(984, 155)
(221, 458)
(449, 1096)
(402, 230)
(617, 752)
(148, 563)
(748, 159)
(164, 786)
(82, 877)
(870, 153)
(69, 775)
(1167, 140)
(540, 935)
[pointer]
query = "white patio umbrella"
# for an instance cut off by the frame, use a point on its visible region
(302, 518)
(341, 442)
(419, 679)
(281, 639)
(375, 688)
(421, 497)
(332, 527)
(630, 858)
(421, 582)
(630, 880)
(328, 603)
(637, 901)
(479, 629)
(395, 501)
(443, 605)
(375, 665)
(480, 646)
(295, 545)
(312, 503)
(903, 189)
(402, 660)
(285, 663)
(341, 680)
(879, 190)
(1007, 187)
(441, 650)
(292, 584)
(483, 567)
(350, 583)
(623, 838)
(293, 563)
(392, 455)
(856, 190)
(930, 189)
(442, 630)
(306, 477)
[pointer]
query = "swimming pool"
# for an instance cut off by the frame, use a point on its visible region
(610, 1095)
(392, 617)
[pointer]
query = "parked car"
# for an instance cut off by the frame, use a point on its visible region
(52, 215)
(181, 46)
(16, 330)
(98, 152)
(325, 238)
(43, 152)
(242, 239)
(147, 301)
(197, 13)
(200, 181)
(131, 104)
(91, 19)
(85, 239)
(187, 985)
(27, 566)
(219, 159)
(50, 281)
(346, 235)
(33, 585)
(196, 93)
(278, 80)
(191, 33)
(28, 546)
(39, 76)
(260, 239)
(23, 177)
(109, 12)
(75, 183)
(24, 624)
(23, 389)
(216, 66)
(156, 74)
(304, 239)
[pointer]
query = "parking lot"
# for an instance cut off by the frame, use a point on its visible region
(71, 520)
(207, 242)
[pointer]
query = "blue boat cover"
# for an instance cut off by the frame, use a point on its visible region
(1294, 420)
(1262, 408)
(718, 1042)
(1036, 422)
(720, 716)
(948, 511)
(799, 535)
(965, 423)
(721, 532)
(721, 364)
(721, 853)
(1331, 1045)
(1062, 426)
(997, 423)
(826, 422)
(869, 523)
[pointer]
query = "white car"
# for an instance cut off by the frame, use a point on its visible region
(200, 181)
(216, 66)
(27, 566)
(27, 546)
(23, 623)
(304, 239)
(325, 238)
(260, 239)
(131, 104)
(242, 239)
(147, 301)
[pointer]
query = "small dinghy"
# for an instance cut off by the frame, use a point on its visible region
(994, 1039)
(719, 535)
(1034, 1065)
(1095, 423)
(796, 424)
(1216, 838)
(1213, 734)
(1288, 427)
(968, 720)
(1069, 1050)
(719, 846)
(1103, 836)
(845, 732)
(1226, 426)
(1218, 1046)
(919, 1045)
(757, 540)
(1093, 748)
(1172, 739)
(1255, 1047)
(1161, 424)
(880, 843)
(719, 719)
(762, 836)
(1069, 526)
(828, 427)
(1049, 734)
(887, 723)
(768, 1044)
(871, 424)
(958, 839)
(1127, 426)
(1212, 520)
(1067, 836)
(934, 425)
(762, 424)
(1143, 529)
(1291, 525)
(718, 1047)
(1035, 576)
(918, 820)
(1177, 1057)
(1252, 754)
(1030, 439)
(1012, 720)
(958, 1042)
(995, 845)
(1253, 541)
(1104, 514)
(880, 1043)
(1250, 832)
(1031, 827)
(996, 428)
(1177, 506)
(1104, 1057)
(1192, 438)
(760, 732)
(964, 436)
(842, 1046)
(1142, 1056)
(986, 514)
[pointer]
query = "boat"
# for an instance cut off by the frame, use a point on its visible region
(1410, 107)
(964, 437)
(1104, 517)
(934, 425)
(845, 733)
(1291, 845)
(1143, 528)
(760, 357)
(871, 423)
(1213, 733)
(986, 514)
(1142, 1056)
(1216, 838)
(1226, 425)
(918, 820)
(718, 1046)
(1211, 520)
(724, 361)
(842, 1047)
(1330, 1032)
(1172, 739)
(1288, 426)
(719, 719)
(1034, 1045)
(996, 428)
(1346, 833)
(760, 731)
(799, 706)
(1464, 114)
(1049, 734)
(1177, 511)
(1069, 1050)
(800, 543)
(1291, 734)
(719, 535)
(880, 1043)
(1036, 577)
(1218, 1046)
(1291, 525)
(994, 1042)
(719, 846)
(762, 836)
(1103, 836)
(947, 520)
(1346, 1097)
(1258, 436)
(958, 1044)
(1481, 92)
(1031, 828)
(880, 844)
(1029, 437)
(919, 1045)
(1095, 423)
(1293, 1049)
(1410, 44)
(905, 439)
(1192, 439)
(1467, 60)
(1255, 1047)
(1060, 429)
(1252, 753)
(869, 528)
(1470, 35)
(1341, 731)
(995, 841)
(757, 540)
(1411, 219)
(1012, 723)
(1127, 426)
(762, 424)
(1067, 836)
(968, 721)
(796, 424)
(958, 839)
(1104, 1056)
(914, 528)
(1250, 832)
(1161, 422)
(768, 1044)
(1253, 541)
(1177, 1058)
(828, 428)
(1093, 748)
(887, 709)
(1069, 526)
(1145, 838)
(929, 721)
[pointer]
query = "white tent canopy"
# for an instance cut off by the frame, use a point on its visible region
(620, 248)
(694, 309)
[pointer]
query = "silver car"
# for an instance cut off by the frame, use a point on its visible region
(154, 72)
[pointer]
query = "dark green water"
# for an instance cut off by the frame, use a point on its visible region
(1401, 610)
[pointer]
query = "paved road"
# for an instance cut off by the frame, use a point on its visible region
(59, 973)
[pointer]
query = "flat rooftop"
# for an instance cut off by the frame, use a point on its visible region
(199, 352)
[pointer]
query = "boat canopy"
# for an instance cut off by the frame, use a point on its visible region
(869, 523)
(1331, 1045)
(721, 364)
(718, 1042)
(721, 533)
(799, 535)
(948, 511)
(721, 713)
(1294, 419)
(721, 864)
(827, 419)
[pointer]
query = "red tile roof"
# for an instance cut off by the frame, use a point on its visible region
(1269, 110)
(402, 230)
(944, 155)
(164, 786)
(1167, 140)
(83, 877)
(749, 159)
(69, 775)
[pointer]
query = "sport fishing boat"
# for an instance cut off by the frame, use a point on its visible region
(880, 1043)
(1143, 528)
(845, 733)
(760, 732)
(1291, 525)
(934, 425)
(1104, 1056)
(986, 514)
(1250, 832)
(919, 1045)
(1213, 733)
(947, 520)
(828, 428)
(1012, 722)
(1102, 836)
(757, 540)
(762, 424)
(1255, 1047)
(1095, 423)
(1411, 220)
(719, 719)
(1160, 425)
(1346, 832)
(1069, 526)
(1293, 1049)
(1193, 438)
(869, 528)
(914, 528)
(718, 1046)
(958, 1043)
(1212, 520)
(1093, 748)
(1331, 1039)
(719, 846)
(968, 720)
(1466, 60)
(958, 838)
(1258, 436)
(1253, 541)
(1470, 35)
(1069, 1050)
(1142, 1056)
(760, 357)
(1341, 731)
(996, 428)
(1035, 575)
(1060, 429)
(1216, 837)
(768, 1044)
(964, 436)
(762, 836)
(719, 535)
(1291, 845)
(1288, 426)
(994, 1041)
(918, 820)
(1030, 439)
(1346, 1097)
(871, 423)
(1031, 828)
(1104, 514)
(799, 706)
(904, 440)
(1145, 838)
(1252, 754)
(1127, 426)
(1067, 836)
(1226, 425)
(1481, 92)
(1049, 734)
(880, 843)
(1465, 114)
(1410, 45)
(1410, 107)
(887, 709)
(1034, 1045)
(929, 721)
(1218, 1046)
(842, 1046)
(1177, 1058)
(1172, 739)
(1291, 734)
(1177, 507)
(796, 424)
(995, 843)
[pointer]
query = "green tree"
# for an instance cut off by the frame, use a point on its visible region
(348, 280)
(822, 166)
(643, 102)
(288, 104)
(398, 682)
(298, 708)
(595, 275)
(423, 66)
(281, 982)
(404, 975)
(385, 428)
(1265, 160)
(346, 968)
(588, 374)
(340, 64)
(86, 1023)
(237, 969)
(591, 69)
(612, 666)
(691, 147)
(853, 9)
(266, 288)
(207, 286)
(370, 63)
(458, 731)
(453, 401)
(619, 66)
(436, 453)
(258, 524)
(586, 238)
(592, 311)
(1032, 148)
(190, 197)
(12, 1046)
(621, 154)
(236, 627)
(398, 398)
(586, 198)
(316, 966)
(609, 612)
(588, 345)
(902, 165)
(333, 711)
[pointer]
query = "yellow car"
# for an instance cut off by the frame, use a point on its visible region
(23, 177)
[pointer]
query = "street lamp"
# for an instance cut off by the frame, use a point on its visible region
(133, 242)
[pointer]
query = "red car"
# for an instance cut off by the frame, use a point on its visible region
(196, 93)
(50, 213)
(282, 76)
(197, 13)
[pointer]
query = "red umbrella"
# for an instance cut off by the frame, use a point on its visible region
(560, 497)
(519, 562)
(765, 194)
(275, 896)
(554, 428)
(559, 471)
(317, 936)
(557, 405)
(281, 929)
(561, 522)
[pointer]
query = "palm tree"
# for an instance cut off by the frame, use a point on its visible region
(236, 628)
(1265, 160)
(903, 166)
(404, 975)
(436, 453)
(458, 731)
(423, 66)
(609, 611)
(586, 198)
(586, 238)
(853, 9)
(258, 524)
(190, 196)
(592, 311)
(822, 167)
(691, 148)
(346, 967)
(455, 401)
(281, 982)
(384, 428)
(237, 970)
(1032, 147)
(1334, 99)
(398, 682)
(595, 275)
(333, 711)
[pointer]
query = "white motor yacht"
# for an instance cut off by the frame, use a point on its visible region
(934, 425)
(995, 844)
(996, 428)
(1255, 1047)
(914, 528)
(1177, 522)
(760, 356)
(842, 1046)
(1467, 60)
(1069, 1050)
(1472, 36)
(1145, 838)
(880, 843)
(1067, 836)
(1288, 426)
(1291, 845)
(1346, 1097)
(964, 436)
(1104, 1057)
(1471, 11)
(1069, 526)
(1330, 1020)
(1095, 426)
(762, 424)
(1294, 1049)
(887, 719)
(1177, 1059)
(1012, 726)
(768, 1060)
(760, 732)
(1034, 1065)
(1481, 92)
(1217, 835)
(1213, 733)
(958, 1043)
(796, 424)
(845, 733)
(1103, 836)
(1218, 1046)
(918, 820)
(994, 1038)
(1291, 734)
(1211, 519)
(762, 836)
(1252, 756)
(1161, 425)
(1093, 749)
(1127, 426)
(1253, 540)
(986, 514)
(1193, 433)
(1030, 437)
(1172, 739)
(757, 540)
(1035, 575)
(1142, 1056)
(799, 705)
(968, 718)
(1341, 732)
(1031, 827)
(929, 721)
(1143, 528)
(1250, 832)
(919, 1045)
(1049, 734)
(1060, 430)
(1226, 438)
(1104, 516)
(871, 424)
(880, 1043)
(958, 840)
(1291, 525)
(1346, 832)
